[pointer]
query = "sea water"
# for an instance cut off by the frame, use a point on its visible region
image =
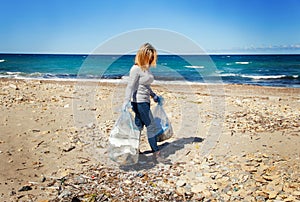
(265, 70)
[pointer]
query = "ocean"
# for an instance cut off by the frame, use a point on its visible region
(263, 70)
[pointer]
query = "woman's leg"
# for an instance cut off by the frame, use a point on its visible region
(147, 118)
(137, 119)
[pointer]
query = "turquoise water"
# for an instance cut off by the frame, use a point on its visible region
(266, 70)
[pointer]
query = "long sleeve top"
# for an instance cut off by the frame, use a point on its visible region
(138, 87)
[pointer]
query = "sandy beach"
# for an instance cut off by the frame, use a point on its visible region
(230, 143)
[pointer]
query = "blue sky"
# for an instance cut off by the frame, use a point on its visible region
(66, 26)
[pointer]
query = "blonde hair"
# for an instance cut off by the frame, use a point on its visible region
(146, 56)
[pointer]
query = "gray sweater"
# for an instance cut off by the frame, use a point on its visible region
(138, 87)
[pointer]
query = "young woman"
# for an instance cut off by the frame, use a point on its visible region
(138, 91)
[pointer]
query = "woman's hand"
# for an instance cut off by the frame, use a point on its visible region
(156, 98)
(125, 106)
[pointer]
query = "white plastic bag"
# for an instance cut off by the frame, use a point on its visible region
(162, 121)
(124, 140)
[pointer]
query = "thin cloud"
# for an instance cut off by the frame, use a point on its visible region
(291, 48)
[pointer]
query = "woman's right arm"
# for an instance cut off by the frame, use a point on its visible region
(132, 82)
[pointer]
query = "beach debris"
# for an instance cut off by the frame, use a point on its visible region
(39, 144)
(198, 188)
(13, 86)
(180, 183)
(91, 125)
(69, 149)
(270, 118)
(36, 130)
(43, 178)
(248, 177)
(25, 188)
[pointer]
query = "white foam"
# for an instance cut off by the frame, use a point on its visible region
(2, 60)
(13, 73)
(182, 82)
(125, 78)
(263, 77)
(194, 66)
(242, 63)
(229, 74)
(114, 81)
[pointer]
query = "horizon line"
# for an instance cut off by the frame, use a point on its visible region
(209, 53)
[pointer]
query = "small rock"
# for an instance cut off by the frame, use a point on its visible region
(226, 197)
(206, 193)
(198, 188)
(69, 149)
(13, 86)
(127, 182)
(271, 177)
(290, 199)
(79, 180)
(91, 125)
(272, 194)
(180, 183)
(180, 191)
(43, 179)
(19, 98)
(296, 193)
(214, 186)
(45, 132)
(65, 193)
(238, 102)
(199, 101)
(13, 193)
(250, 169)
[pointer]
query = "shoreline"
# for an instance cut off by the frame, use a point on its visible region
(53, 130)
(156, 83)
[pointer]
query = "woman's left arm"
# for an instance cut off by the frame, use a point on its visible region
(153, 95)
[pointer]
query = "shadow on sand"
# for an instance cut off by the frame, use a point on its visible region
(148, 160)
